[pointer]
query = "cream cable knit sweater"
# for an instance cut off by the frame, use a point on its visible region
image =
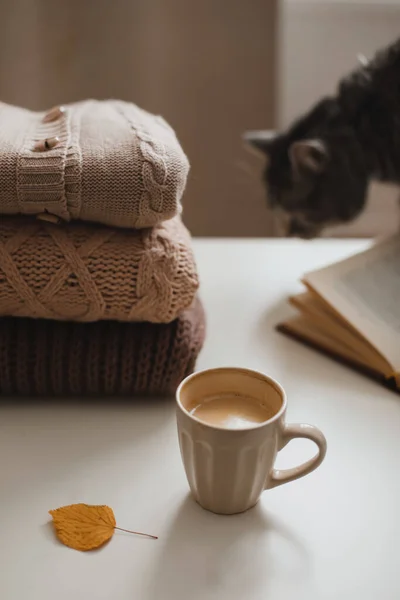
(113, 163)
(82, 272)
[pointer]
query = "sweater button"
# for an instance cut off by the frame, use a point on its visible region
(47, 144)
(48, 218)
(53, 114)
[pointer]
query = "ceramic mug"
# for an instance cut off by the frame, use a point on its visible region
(228, 469)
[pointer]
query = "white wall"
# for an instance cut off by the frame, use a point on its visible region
(318, 44)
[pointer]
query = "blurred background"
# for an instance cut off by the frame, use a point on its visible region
(213, 69)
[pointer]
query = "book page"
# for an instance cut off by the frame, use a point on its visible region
(304, 330)
(365, 291)
(323, 319)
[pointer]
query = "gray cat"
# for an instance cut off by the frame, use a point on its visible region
(318, 171)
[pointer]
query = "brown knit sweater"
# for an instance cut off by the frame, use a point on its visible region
(82, 272)
(111, 163)
(50, 358)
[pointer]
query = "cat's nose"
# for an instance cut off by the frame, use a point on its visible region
(301, 230)
(295, 228)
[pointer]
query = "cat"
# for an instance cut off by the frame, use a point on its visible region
(319, 169)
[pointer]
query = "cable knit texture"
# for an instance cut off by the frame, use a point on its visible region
(81, 272)
(115, 164)
(53, 358)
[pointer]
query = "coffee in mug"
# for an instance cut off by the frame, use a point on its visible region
(231, 425)
(231, 411)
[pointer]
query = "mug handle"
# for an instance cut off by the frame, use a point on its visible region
(290, 432)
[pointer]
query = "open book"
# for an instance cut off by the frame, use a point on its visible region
(351, 311)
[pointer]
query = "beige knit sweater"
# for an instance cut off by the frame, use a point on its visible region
(83, 272)
(104, 161)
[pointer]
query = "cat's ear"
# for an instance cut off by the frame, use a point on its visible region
(363, 60)
(308, 155)
(260, 140)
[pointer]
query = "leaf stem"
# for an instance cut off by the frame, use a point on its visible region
(153, 537)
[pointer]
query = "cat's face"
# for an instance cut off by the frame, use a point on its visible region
(312, 181)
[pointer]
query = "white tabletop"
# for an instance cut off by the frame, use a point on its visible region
(333, 535)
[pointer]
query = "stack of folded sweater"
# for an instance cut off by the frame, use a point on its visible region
(97, 277)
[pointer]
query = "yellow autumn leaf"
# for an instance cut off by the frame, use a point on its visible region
(84, 526)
